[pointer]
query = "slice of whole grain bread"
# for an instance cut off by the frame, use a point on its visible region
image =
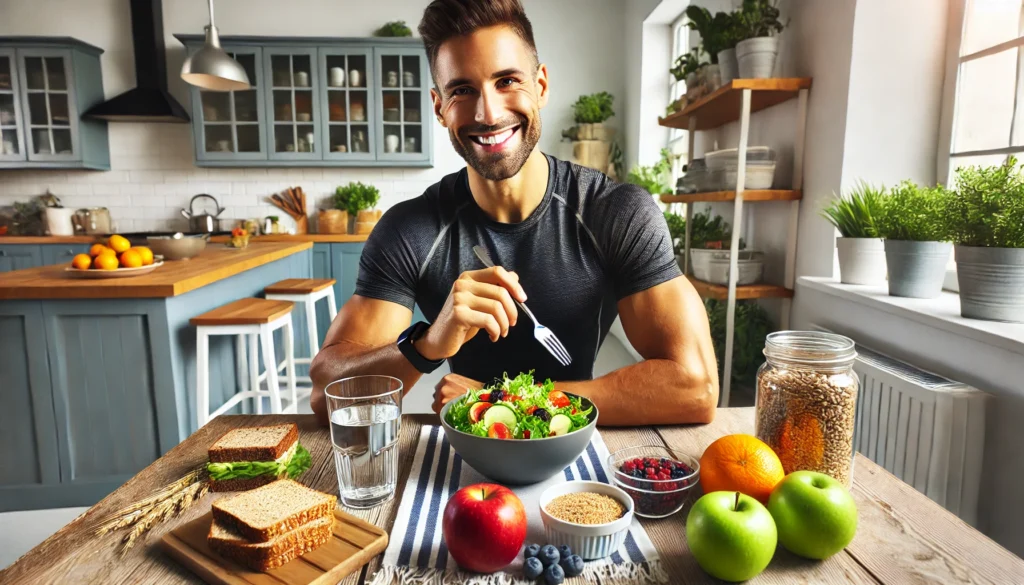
(269, 511)
(263, 556)
(254, 443)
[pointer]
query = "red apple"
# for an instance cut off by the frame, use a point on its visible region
(484, 526)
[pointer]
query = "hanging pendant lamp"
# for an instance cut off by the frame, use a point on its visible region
(211, 68)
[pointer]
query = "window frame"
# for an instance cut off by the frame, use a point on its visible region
(680, 45)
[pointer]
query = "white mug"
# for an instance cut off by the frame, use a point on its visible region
(355, 78)
(408, 79)
(391, 143)
(337, 77)
(301, 79)
(410, 144)
(392, 79)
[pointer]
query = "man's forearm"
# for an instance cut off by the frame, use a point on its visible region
(343, 360)
(651, 392)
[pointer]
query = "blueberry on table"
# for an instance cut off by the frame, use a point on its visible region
(531, 551)
(532, 568)
(554, 575)
(564, 552)
(572, 565)
(549, 555)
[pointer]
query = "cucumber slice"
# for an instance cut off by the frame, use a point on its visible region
(560, 424)
(500, 413)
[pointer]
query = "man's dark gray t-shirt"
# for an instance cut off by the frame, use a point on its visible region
(590, 243)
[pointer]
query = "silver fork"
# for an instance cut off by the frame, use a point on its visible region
(545, 336)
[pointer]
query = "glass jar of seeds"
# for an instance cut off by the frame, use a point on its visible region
(807, 401)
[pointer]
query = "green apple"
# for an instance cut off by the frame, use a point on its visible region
(814, 513)
(731, 535)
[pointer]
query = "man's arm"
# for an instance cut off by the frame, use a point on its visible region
(678, 380)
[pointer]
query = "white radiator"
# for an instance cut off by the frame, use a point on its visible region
(925, 429)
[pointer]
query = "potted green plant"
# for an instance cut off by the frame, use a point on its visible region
(760, 26)
(985, 216)
(685, 69)
(916, 238)
(655, 178)
(590, 112)
(861, 252)
(732, 33)
(358, 200)
(396, 28)
(715, 33)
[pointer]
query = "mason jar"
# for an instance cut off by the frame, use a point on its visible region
(806, 402)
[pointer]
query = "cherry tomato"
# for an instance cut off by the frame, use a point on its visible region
(485, 397)
(531, 410)
(558, 399)
(499, 431)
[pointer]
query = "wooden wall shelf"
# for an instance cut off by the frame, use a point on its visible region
(750, 291)
(723, 105)
(749, 196)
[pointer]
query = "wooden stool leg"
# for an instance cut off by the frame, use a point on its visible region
(314, 336)
(202, 376)
(270, 365)
(254, 371)
(289, 360)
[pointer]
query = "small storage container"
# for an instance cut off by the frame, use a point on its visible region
(724, 164)
(750, 269)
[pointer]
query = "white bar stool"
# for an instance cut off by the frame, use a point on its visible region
(252, 319)
(306, 291)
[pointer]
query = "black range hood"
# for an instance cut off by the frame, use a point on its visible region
(150, 100)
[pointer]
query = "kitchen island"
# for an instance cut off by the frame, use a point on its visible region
(98, 377)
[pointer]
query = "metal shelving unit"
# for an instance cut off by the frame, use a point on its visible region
(731, 102)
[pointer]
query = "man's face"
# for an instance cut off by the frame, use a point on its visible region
(489, 95)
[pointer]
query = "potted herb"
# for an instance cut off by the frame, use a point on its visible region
(861, 252)
(917, 243)
(732, 33)
(685, 69)
(358, 200)
(759, 25)
(715, 35)
(590, 112)
(393, 29)
(985, 216)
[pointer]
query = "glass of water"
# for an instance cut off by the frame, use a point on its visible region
(366, 417)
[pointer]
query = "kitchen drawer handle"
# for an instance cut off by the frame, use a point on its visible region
(70, 252)
(3, 253)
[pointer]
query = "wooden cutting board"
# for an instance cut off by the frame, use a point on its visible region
(355, 542)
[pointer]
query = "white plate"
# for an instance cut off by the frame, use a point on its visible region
(119, 273)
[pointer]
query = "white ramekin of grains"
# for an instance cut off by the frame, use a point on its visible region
(589, 516)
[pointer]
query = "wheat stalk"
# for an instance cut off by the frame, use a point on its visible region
(166, 509)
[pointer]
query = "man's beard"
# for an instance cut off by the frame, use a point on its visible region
(503, 165)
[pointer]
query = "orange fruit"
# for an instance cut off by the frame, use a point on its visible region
(740, 463)
(106, 262)
(119, 243)
(146, 253)
(82, 261)
(97, 249)
(130, 259)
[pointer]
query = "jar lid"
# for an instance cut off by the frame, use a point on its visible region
(810, 348)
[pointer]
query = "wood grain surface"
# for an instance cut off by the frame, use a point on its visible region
(51, 239)
(247, 311)
(749, 196)
(318, 238)
(902, 537)
(174, 278)
(708, 290)
(299, 286)
(723, 105)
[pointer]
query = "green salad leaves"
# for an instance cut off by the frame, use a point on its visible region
(524, 397)
(294, 467)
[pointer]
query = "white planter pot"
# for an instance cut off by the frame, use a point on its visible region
(861, 260)
(713, 77)
(756, 57)
(916, 269)
(991, 283)
(728, 65)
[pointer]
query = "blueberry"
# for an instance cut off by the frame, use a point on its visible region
(497, 395)
(542, 414)
(564, 551)
(572, 565)
(549, 555)
(531, 551)
(532, 568)
(554, 575)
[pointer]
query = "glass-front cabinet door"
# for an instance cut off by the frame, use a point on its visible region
(12, 134)
(347, 104)
(292, 77)
(402, 105)
(230, 120)
(47, 91)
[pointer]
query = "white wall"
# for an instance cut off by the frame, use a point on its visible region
(153, 175)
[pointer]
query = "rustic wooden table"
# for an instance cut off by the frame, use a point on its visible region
(903, 537)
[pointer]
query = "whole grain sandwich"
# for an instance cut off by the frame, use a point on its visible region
(251, 457)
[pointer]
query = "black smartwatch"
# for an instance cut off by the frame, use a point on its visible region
(416, 331)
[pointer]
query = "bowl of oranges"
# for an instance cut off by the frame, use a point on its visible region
(116, 258)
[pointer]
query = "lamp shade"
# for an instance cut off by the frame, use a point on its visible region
(211, 68)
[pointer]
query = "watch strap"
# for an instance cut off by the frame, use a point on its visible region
(405, 345)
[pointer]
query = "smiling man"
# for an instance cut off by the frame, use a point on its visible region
(579, 248)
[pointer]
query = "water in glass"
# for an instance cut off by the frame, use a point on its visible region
(365, 441)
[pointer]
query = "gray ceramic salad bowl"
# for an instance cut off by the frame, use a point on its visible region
(520, 461)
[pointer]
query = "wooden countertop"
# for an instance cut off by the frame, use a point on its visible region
(319, 238)
(172, 279)
(50, 239)
(902, 536)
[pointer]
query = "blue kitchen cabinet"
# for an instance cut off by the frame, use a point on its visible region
(62, 253)
(20, 256)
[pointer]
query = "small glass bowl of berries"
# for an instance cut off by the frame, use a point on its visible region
(658, 478)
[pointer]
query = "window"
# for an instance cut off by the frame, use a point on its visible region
(986, 75)
(678, 140)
